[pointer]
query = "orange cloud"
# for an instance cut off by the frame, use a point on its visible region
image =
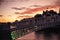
(32, 11)
(24, 16)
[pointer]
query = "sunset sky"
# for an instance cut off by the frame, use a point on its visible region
(11, 10)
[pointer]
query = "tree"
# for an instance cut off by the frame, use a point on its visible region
(38, 16)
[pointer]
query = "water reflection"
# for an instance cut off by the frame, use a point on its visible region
(46, 34)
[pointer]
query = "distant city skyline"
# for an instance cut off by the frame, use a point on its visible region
(11, 10)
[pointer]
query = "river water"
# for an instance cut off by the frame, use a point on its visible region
(44, 35)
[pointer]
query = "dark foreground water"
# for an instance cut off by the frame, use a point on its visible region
(45, 34)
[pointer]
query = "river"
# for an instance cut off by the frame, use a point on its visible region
(41, 36)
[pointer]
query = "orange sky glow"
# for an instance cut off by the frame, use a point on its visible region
(11, 11)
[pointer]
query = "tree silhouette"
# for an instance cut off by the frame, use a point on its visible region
(38, 16)
(52, 12)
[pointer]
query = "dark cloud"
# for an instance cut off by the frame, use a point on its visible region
(1, 1)
(23, 0)
(16, 8)
(19, 8)
(1, 15)
(35, 6)
(58, 2)
(17, 13)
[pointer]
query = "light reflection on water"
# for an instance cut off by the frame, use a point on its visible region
(44, 35)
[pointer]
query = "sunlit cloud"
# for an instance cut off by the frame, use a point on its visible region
(23, 16)
(32, 11)
(26, 16)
